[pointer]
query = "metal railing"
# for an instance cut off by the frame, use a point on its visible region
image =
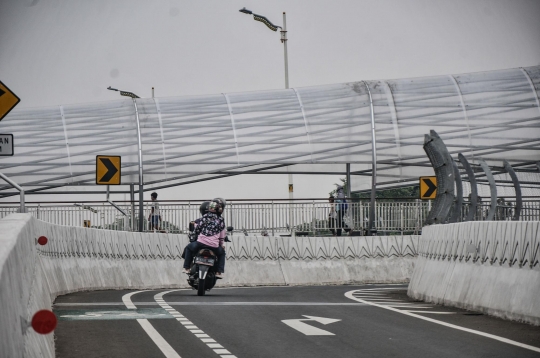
(264, 218)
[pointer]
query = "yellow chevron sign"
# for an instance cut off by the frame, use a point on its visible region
(108, 170)
(428, 188)
(8, 100)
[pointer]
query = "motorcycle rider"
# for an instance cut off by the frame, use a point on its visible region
(211, 235)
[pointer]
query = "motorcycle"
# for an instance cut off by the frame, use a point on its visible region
(202, 275)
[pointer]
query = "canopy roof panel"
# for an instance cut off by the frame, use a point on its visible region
(490, 115)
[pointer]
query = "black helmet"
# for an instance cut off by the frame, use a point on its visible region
(215, 206)
(222, 201)
(204, 207)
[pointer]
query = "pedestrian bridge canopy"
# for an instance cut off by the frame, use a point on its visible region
(492, 115)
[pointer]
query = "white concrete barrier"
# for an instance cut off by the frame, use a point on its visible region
(492, 267)
(76, 259)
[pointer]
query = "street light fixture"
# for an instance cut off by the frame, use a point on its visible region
(273, 27)
(133, 96)
(124, 93)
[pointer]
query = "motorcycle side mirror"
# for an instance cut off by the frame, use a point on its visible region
(230, 228)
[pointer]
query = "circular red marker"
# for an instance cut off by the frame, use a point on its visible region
(44, 322)
(42, 240)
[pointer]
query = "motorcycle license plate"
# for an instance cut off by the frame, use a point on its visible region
(204, 261)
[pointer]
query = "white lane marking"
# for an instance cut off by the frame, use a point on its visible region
(433, 312)
(231, 303)
(126, 299)
(408, 313)
(308, 330)
(398, 306)
(380, 289)
(154, 335)
(162, 344)
(192, 328)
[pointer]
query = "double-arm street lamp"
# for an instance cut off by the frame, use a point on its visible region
(133, 96)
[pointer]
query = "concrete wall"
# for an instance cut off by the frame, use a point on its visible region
(491, 267)
(76, 259)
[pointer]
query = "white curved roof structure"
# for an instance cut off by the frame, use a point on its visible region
(490, 115)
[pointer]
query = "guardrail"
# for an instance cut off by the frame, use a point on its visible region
(266, 218)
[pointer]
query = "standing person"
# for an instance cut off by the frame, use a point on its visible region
(155, 216)
(211, 235)
(341, 209)
(332, 215)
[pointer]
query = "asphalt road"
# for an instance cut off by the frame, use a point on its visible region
(314, 321)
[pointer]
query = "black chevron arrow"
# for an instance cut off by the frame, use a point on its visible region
(431, 188)
(1, 92)
(111, 170)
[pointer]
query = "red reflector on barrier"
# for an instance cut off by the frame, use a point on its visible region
(42, 240)
(44, 322)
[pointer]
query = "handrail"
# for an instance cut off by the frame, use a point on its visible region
(19, 188)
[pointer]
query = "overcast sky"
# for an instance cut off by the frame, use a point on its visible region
(56, 52)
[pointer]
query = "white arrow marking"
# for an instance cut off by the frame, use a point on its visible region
(310, 330)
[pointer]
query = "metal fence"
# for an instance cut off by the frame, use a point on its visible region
(263, 218)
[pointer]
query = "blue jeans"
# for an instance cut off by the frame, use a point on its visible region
(154, 221)
(194, 247)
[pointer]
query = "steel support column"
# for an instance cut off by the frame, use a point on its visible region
(474, 190)
(517, 188)
(132, 201)
(141, 182)
(455, 213)
(492, 189)
(371, 223)
(348, 176)
(444, 171)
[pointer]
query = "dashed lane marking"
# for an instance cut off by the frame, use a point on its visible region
(351, 295)
(205, 338)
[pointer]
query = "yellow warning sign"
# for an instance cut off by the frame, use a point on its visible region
(8, 100)
(86, 223)
(108, 170)
(428, 188)
(291, 189)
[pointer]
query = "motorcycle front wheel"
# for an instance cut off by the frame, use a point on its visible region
(201, 287)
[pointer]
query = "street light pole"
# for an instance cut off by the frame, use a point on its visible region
(283, 32)
(133, 96)
(284, 41)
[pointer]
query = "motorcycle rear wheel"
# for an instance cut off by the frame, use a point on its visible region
(201, 289)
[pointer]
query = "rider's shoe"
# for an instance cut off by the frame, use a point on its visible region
(219, 275)
(188, 271)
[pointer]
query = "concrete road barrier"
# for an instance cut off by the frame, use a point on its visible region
(81, 259)
(492, 267)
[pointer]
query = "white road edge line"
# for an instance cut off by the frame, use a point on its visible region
(154, 335)
(127, 300)
(205, 338)
(158, 339)
(492, 336)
